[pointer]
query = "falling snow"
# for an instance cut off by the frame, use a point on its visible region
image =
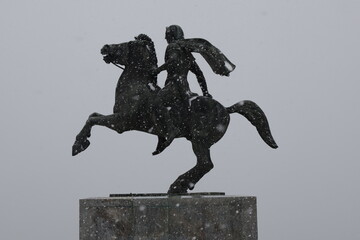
(221, 128)
(152, 87)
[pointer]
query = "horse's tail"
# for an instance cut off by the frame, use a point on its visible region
(252, 112)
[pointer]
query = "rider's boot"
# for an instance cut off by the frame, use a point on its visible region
(164, 143)
(168, 129)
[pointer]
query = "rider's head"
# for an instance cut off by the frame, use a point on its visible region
(173, 33)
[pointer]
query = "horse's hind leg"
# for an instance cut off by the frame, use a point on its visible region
(190, 178)
(112, 121)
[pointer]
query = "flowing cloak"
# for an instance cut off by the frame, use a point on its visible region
(218, 62)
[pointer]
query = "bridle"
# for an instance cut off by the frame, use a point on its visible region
(118, 66)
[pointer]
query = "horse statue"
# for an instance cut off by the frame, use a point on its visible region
(203, 121)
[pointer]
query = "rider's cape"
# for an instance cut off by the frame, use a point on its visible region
(218, 62)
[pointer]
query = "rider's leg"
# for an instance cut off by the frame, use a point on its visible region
(161, 141)
(162, 119)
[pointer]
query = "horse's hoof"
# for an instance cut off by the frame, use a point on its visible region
(156, 152)
(78, 147)
(177, 189)
(174, 191)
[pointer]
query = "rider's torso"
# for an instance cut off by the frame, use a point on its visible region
(179, 62)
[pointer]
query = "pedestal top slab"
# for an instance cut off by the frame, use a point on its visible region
(163, 217)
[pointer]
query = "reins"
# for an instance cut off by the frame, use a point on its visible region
(118, 66)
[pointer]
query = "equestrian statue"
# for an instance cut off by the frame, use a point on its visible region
(173, 111)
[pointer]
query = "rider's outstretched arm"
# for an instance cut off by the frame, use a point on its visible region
(200, 78)
(172, 56)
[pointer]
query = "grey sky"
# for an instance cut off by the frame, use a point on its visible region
(298, 60)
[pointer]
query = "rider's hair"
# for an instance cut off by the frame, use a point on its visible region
(174, 32)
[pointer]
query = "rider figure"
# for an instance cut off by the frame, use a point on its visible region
(178, 62)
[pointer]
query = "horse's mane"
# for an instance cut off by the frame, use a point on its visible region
(143, 37)
(150, 43)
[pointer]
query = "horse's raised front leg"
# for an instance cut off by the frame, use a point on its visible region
(190, 178)
(113, 121)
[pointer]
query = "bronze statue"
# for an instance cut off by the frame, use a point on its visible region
(200, 119)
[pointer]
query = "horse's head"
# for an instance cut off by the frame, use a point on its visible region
(139, 53)
(116, 53)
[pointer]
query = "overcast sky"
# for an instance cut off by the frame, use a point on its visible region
(298, 60)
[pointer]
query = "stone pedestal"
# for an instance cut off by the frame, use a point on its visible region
(168, 218)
